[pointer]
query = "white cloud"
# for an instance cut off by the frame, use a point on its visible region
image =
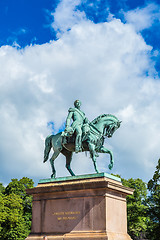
(66, 16)
(104, 66)
(142, 18)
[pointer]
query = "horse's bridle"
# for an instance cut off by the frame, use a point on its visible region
(111, 127)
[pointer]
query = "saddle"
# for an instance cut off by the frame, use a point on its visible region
(69, 136)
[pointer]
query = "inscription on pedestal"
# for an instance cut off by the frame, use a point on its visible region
(66, 215)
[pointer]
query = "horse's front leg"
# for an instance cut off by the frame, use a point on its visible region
(105, 150)
(93, 155)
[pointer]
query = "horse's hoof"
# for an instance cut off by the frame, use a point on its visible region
(53, 176)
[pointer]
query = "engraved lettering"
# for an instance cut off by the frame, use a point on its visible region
(61, 215)
(66, 213)
(58, 213)
(71, 213)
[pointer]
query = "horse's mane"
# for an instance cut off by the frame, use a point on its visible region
(96, 120)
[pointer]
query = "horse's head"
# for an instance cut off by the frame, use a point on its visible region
(111, 128)
(106, 123)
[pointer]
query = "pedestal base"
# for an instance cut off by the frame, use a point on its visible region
(82, 236)
(80, 208)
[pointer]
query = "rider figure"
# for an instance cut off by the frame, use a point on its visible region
(79, 119)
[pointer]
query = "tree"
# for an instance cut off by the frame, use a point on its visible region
(154, 205)
(137, 219)
(2, 188)
(18, 187)
(12, 223)
(16, 210)
(1, 212)
(136, 208)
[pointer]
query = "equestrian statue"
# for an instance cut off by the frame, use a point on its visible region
(81, 135)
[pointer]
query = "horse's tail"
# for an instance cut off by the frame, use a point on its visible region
(48, 145)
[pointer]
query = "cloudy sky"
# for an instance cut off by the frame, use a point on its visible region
(105, 53)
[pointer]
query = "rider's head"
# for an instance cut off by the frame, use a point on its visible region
(77, 103)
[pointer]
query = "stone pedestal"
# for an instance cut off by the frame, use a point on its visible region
(80, 208)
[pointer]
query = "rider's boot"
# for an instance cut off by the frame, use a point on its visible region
(78, 144)
(76, 149)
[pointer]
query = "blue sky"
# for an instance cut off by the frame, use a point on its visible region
(28, 22)
(106, 53)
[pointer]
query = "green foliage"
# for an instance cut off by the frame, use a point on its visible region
(2, 188)
(15, 210)
(154, 205)
(12, 223)
(136, 208)
(144, 210)
(18, 187)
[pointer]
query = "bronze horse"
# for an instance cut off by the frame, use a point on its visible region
(103, 126)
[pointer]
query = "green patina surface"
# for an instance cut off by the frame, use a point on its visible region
(80, 177)
(81, 135)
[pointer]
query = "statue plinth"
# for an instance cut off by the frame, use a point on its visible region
(81, 207)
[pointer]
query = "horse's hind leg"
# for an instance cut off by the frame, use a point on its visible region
(68, 162)
(54, 156)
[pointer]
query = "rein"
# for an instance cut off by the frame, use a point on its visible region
(100, 133)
